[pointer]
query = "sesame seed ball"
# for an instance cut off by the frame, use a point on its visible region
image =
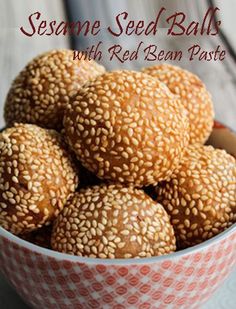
(41, 91)
(127, 127)
(201, 196)
(37, 176)
(194, 96)
(113, 221)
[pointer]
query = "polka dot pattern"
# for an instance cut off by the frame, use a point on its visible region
(47, 282)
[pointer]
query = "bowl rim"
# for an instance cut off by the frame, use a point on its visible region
(118, 262)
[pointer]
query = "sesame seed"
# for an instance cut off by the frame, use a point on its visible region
(120, 131)
(196, 204)
(59, 72)
(191, 91)
(107, 234)
(26, 192)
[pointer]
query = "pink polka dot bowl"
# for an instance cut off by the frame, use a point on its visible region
(184, 279)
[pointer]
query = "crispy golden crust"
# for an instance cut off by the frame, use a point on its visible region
(36, 177)
(194, 97)
(201, 196)
(128, 127)
(41, 91)
(112, 221)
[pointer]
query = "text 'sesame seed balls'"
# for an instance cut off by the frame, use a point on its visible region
(127, 127)
(201, 197)
(41, 91)
(112, 221)
(36, 177)
(194, 96)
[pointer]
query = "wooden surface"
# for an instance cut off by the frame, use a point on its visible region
(16, 50)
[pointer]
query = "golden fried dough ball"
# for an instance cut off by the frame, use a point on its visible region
(37, 176)
(113, 221)
(40, 92)
(127, 127)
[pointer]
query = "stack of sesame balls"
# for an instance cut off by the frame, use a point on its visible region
(112, 164)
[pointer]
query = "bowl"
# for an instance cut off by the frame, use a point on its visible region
(184, 279)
